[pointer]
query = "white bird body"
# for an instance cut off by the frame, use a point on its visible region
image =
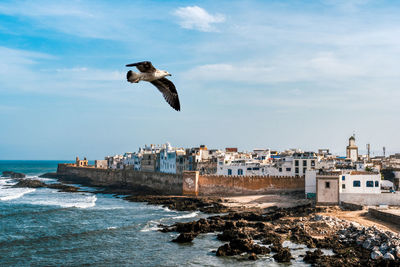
(148, 77)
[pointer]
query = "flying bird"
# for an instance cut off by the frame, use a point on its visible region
(157, 77)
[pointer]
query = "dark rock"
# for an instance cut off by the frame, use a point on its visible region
(253, 257)
(224, 250)
(11, 174)
(283, 255)
(30, 183)
(185, 237)
(243, 245)
(312, 257)
(49, 175)
(63, 187)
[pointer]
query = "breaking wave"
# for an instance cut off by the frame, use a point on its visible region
(190, 215)
(14, 193)
(66, 200)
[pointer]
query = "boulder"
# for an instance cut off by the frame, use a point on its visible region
(312, 257)
(376, 255)
(388, 256)
(253, 257)
(283, 255)
(185, 237)
(30, 183)
(63, 187)
(11, 174)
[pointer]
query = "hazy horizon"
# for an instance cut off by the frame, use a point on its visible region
(249, 74)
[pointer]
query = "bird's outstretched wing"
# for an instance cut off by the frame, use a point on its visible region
(144, 66)
(167, 88)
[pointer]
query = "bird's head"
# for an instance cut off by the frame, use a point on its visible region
(166, 73)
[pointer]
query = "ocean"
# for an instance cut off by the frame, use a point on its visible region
(44, 227)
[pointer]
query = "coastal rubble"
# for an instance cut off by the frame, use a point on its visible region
(257, 233)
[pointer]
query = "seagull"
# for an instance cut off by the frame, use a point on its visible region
(157, 77)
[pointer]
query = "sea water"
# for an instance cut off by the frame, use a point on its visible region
(45, 227)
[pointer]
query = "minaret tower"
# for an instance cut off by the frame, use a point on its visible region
(352, 149)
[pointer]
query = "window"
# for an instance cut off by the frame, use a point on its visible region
(370, 183)
(249, 169)
(343, 186)
(313, 163)
(327, 184)
(296, 170)
(296, 163)
(280, 169)
(356, 184)
(343, 178)
(288, 169)
(240, 172)
(304, 170)
(376, 183)
(229, 172)
(304, 162)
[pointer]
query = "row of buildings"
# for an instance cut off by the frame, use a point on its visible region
(231, 162)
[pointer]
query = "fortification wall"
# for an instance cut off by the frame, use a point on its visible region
(162, 183)
(188, 183)
(247, 185)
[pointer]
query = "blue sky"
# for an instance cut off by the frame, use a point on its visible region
(273, 74)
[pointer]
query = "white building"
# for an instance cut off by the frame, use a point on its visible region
(168, 159)
(303, 162)
(356, 182)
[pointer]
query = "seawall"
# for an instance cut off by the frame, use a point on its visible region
(209, 185)
(188, 183)
(161, 183)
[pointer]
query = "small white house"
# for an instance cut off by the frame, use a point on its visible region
(356, 182)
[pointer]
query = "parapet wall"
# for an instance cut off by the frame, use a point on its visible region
(385, 216)
(162, 183)
(189, 183)
(247, 185)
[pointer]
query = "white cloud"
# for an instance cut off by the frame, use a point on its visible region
(20, 70)
(197, 18)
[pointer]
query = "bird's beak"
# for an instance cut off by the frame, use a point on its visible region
(169, 74)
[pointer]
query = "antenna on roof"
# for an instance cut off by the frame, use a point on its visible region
(384, 152)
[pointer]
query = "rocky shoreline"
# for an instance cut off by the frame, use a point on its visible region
(256, 234)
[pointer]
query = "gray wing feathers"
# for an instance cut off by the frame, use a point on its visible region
(167, 88)
(144, 66)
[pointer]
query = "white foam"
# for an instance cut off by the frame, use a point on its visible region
(14, 193)
(67, 200)
(111, 227)
(151, 226)
(190, 215)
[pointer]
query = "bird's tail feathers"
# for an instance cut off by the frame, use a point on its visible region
(132, 77)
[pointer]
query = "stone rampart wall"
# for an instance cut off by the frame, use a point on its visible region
(247, 185)
(163, 183)
(188, 183)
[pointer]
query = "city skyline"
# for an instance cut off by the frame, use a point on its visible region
(250, 74)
